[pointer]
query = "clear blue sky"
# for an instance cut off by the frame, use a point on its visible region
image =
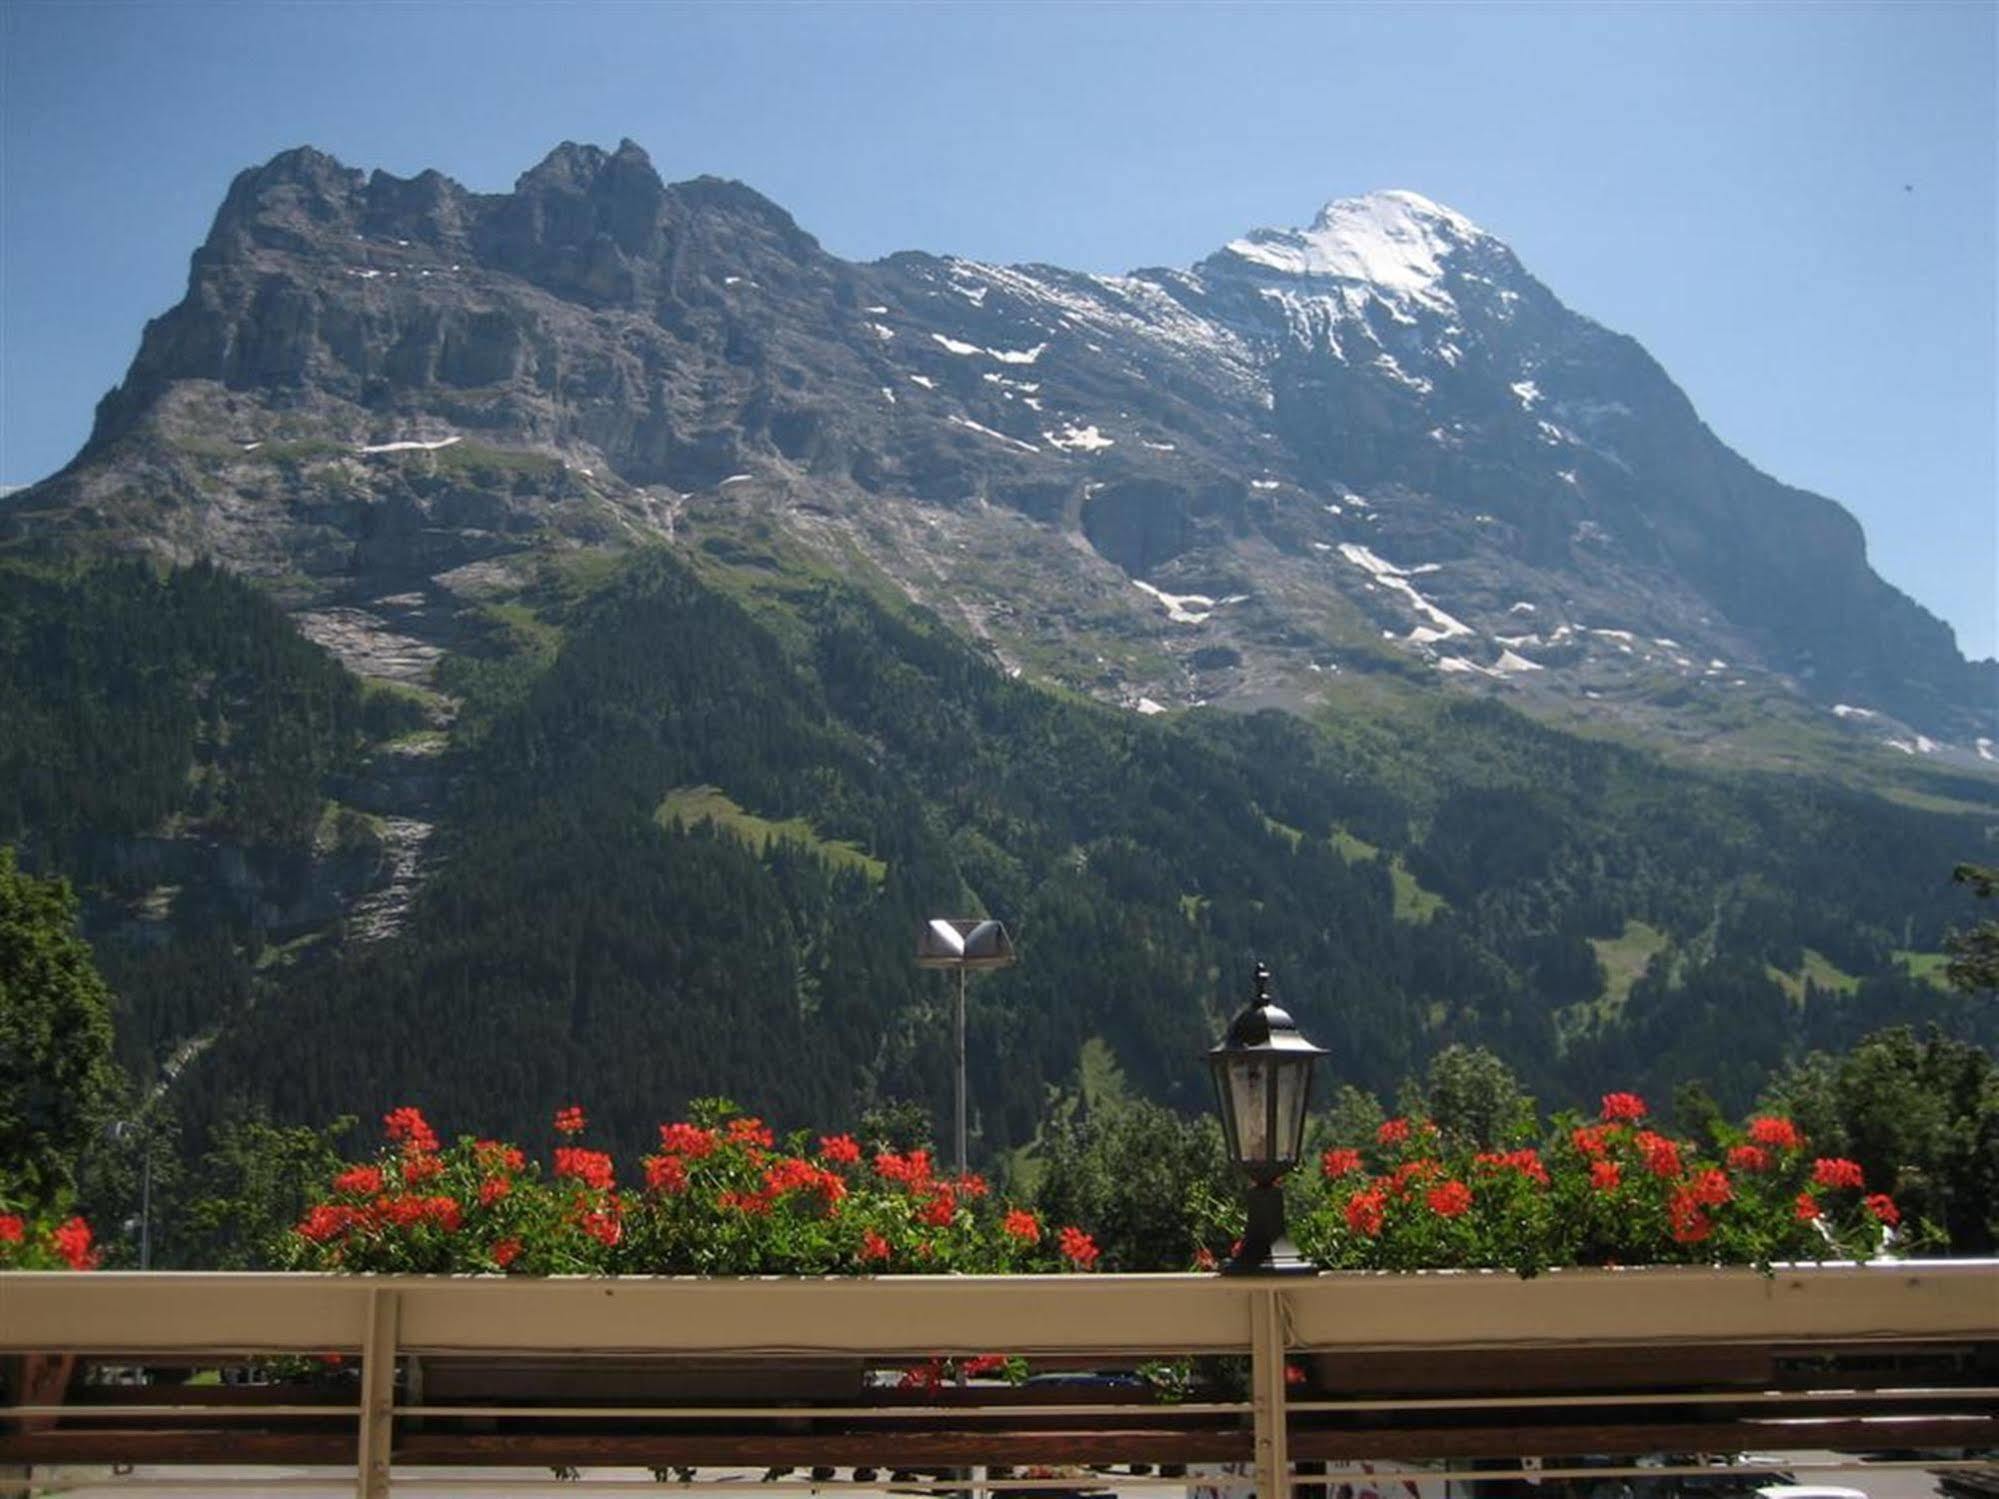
(1725, 182)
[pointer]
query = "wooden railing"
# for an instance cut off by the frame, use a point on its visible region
(1453, 1368)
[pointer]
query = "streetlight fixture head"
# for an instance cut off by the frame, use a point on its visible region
(963, 942)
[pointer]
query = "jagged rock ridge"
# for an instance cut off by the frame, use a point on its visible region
(1376, 443)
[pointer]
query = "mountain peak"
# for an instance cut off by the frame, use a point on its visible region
(574, 167)
(1396, 240)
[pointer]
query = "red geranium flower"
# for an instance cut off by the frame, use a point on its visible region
(591, 1167)
(912, 1170)
(752, 1132)
(941, 1206)
(12, 1228)
(1749, 1158)
(841, 1150)
(420, 1168)
(1806, 1207)
(1590, 1139)
(506, 1252)
(325, 1221)
(1882, 1206)
(874, 1246)
(1711, 1188)
(569, 1121)
(493, 1156)
(1401, 1179)
(1605, 1175)
(1526, 1162)
(359, 1181)
(1622, 1107)
(1836, 1171)
(1392, 1132)
(1078, 1247)
(1022, 1225)
(406, 1211)
(604, 1225)
(1662, 1156)
(72, 1242)
(493, 1189)
(1339, 1161)
(1450, 1200)
(1777, 1133)
(1689, 1224)
(924, 1377)
(1366, 1211)
(666, 1173)
(408, 1128)
(689, 1140)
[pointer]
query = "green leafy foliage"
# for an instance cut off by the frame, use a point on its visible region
(1974, 954)
(249, 1189)
(1921, 1116)
(1153, 1187)
(58, 1082)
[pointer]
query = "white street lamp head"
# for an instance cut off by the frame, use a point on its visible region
(963, 942)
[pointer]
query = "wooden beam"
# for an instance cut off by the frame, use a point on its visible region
(1109, 1316)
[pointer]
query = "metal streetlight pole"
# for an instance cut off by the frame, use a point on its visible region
(964, 944)
(121, 1131)
(959, 1134)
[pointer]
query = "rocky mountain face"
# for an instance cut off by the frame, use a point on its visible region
(1373, 445)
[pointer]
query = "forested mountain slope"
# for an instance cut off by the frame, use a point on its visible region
(688, 846)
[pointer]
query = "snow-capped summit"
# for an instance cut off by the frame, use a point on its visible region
(1396, 241)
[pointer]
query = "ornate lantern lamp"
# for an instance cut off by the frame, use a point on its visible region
(1263, 1083)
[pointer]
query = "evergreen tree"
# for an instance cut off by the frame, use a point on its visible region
(58, 1083)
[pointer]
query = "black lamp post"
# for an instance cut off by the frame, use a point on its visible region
(1263, 1083)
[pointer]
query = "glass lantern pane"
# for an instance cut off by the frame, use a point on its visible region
(1223, 1077)
(1292, 1074)
(1251, 1104)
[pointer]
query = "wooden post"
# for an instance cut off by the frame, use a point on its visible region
(378, 1397)
(1266, 1382)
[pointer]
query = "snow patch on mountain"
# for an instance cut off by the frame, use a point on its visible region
(411, 446)
(1395, 242)
(1187, 608)
(1442, 626)
(1084, 439)
(969, 425)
